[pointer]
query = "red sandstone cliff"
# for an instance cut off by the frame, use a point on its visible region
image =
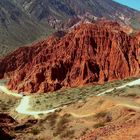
(137, 39)
(91, 53)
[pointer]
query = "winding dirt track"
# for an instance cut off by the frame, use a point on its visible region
(3, 89)
(23, 107)
(133, 83)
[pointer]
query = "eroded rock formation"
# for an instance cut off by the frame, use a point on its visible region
(6, 123)
(91, 53)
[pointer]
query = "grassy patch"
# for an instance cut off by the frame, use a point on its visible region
(129, 91)
(72, 95)
(7, 102)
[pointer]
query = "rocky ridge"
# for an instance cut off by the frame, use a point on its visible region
(25, 21)
(57, 12)
(90, 53)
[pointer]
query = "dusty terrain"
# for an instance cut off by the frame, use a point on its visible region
(110, 116)
(95, 118)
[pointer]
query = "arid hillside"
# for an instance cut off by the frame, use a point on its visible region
(25, 21)
(90, 53)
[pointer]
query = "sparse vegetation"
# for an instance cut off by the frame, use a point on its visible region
(35, 131)
(129, 91)
(61, 126)
(104, 116)
(101, 114)
(7, 102)
(67, 134)
(70, 96)
(52, 119)
(131, 95)
(98, 125)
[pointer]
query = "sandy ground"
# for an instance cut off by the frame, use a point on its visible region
(95, 105)
(127, 127)
(125, 114)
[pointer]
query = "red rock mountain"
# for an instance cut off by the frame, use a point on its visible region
(90, 53)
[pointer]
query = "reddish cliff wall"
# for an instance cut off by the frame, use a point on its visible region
(91, 53)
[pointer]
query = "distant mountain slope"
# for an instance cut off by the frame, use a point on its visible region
(44, 10)
(24, 21)
(16, 28)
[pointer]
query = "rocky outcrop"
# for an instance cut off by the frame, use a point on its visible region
(4, 135)
(91, 53)
(6, 123)
(138, 37)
